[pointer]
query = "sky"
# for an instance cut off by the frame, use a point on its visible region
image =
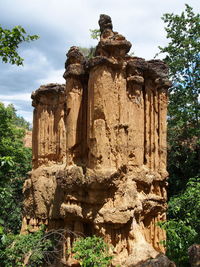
(64, 23)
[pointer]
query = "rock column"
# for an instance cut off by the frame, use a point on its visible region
(49, 133)
(75, 104)
(99, 151)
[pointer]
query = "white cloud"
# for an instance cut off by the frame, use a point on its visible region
(63, 23)
(34, 60)
(6, 103)
(14, 97)
(53, 76)
(27, 115)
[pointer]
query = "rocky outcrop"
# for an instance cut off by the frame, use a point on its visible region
(160, 261)
(99, 150)
(28, 139)
(194, 255)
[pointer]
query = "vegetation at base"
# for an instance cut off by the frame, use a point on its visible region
(43, 248)
(183, 58)
(92, 252)
(10, 41)
(183, 225)
(31, 250)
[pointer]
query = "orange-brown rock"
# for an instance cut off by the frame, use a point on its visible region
(28, 139)
(99, 150)
(49, 133)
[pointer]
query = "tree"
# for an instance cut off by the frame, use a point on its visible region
(183, 58)
(15, 162)
(9, 43)
(19, 121)
(14, 157)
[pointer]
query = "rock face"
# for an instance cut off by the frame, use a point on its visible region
(160, 261)
(99, 150)
(194, 255)
(49, 135)
(28, 139)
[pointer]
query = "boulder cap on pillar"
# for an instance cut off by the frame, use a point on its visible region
(48, 89)
(74, 64)
(105, 22)
(112, 47)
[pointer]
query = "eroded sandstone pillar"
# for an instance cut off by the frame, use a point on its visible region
(49, 133)
(99, 151)
(75, 106)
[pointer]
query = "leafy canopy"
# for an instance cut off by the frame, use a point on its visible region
(183, 58)
(15, 159)
(15, 162)
(10, 41)
(182, 54)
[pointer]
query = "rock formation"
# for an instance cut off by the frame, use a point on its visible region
(28, 139)
(99, 150)
(194, 255)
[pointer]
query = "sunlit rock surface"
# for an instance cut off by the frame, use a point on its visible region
(99, 151)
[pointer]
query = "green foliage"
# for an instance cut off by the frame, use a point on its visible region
(11, 205)
(183, 57)
(179, 237)
(183, 225)
(186, 206)
(10, 41)
(92, 252)
(24, 250)
(15, 159)
(15, 162)
(95, 34)
(20, 122)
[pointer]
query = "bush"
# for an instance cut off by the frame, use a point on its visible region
(92, 252)
(25, 250)
(183, 225)
(179, 237)
(15, 162)
(11, 206)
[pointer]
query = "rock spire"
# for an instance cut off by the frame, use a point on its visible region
(99, 151)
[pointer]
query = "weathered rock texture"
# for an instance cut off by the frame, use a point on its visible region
(28, 139)
(194, 255)
(99, 150)
(160, 261)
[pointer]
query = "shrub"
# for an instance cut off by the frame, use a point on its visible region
(183, 225)
(92, 252)
(24, 250)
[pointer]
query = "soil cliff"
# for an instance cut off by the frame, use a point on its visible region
(99, 150)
